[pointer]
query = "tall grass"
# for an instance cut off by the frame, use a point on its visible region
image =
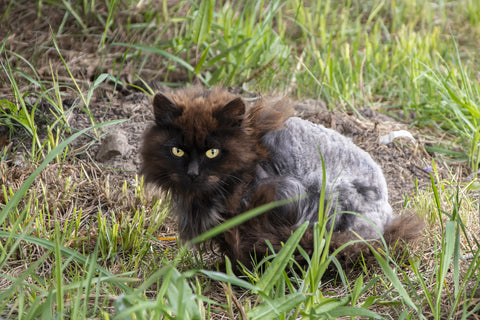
(415, 60)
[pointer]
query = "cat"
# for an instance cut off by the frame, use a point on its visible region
(217, 158)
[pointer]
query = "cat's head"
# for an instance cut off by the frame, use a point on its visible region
(200, 143)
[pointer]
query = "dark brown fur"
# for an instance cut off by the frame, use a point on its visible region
(197, 115)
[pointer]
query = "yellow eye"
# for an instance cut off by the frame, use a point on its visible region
(177, 152)
(212, 153)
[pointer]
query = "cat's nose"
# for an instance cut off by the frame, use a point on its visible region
(192, 170)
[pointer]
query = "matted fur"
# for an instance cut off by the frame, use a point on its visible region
(263, 155)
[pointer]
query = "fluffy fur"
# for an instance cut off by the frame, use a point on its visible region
(217, 158)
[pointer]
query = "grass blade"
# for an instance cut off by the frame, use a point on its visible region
(49, 157)
(236, 221)
(274, 309)
(275, 270)
(203, 21)
(164, 53)
(392, 276)
(340, 312)
(220, 276)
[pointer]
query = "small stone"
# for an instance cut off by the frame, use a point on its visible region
(388, 138)
(19, 160)
(113, 144)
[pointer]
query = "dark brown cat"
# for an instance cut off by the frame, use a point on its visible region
(217, 158)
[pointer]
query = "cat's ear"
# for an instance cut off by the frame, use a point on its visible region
(232, 113)
(164, 110)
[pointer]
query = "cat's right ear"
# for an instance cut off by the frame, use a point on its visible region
(232, 113)
(164, 110)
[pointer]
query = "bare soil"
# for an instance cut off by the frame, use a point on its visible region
(405, 163)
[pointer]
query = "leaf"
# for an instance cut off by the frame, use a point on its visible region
(448, 249)
(181, 297)
(388, 271)
(101, 78)
(357, 289)
(220, 276)
(202, 60)
(225, 53)
(275, 270)
(328, 305)
(273, 309)
(446, 257)
(353, 312)
(202, 21)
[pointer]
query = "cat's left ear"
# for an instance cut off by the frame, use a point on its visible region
(232, 113)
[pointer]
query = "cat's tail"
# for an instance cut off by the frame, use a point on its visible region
(402, 231)
(405, 229)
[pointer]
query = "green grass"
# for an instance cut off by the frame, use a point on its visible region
(63, 255)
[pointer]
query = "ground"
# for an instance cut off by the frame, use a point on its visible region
(403, 160)
(114, 150)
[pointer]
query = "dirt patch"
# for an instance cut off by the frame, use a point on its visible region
(405, 162)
